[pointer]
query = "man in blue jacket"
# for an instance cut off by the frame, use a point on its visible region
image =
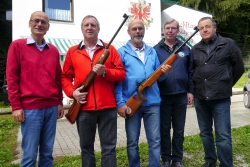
(176, 92)
(139, 61)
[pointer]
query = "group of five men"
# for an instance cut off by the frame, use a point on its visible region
(205, 74)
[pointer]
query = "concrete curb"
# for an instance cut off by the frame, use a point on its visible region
(5, 112)
(237, 92)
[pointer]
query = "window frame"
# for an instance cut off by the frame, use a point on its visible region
(57, 20)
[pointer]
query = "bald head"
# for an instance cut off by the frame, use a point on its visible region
(135, 21)
(39, 13)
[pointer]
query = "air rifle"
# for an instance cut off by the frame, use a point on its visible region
(76, 106)
(135, 101)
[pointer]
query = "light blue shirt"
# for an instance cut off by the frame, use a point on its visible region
(30, 40)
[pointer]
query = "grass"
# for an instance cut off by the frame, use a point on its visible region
(3, 106)
(241, 82)
(193, 149)
(8, 138)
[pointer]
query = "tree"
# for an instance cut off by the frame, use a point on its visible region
(232, 17)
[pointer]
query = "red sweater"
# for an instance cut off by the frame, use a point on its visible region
(33, 76)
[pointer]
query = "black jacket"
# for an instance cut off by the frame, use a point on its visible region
(216, 73)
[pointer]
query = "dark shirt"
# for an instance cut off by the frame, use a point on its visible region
(168, 49)
(211, 44)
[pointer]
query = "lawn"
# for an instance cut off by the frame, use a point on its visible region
(243, 79)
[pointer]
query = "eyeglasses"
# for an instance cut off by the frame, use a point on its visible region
(206, 27)
(138, 28)
(171, 28)
(37, 21)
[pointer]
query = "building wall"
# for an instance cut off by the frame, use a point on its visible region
(108, 12)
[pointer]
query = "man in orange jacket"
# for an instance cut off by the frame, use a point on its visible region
(99, 104)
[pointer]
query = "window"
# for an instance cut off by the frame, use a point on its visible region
(59, 10)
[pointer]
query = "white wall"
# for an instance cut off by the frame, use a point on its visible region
(108, 12)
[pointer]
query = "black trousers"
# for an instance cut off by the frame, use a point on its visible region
(173, 114)
(106, 122)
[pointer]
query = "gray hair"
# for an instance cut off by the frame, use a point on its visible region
(168, 21)
(91, 16)
(208, 18)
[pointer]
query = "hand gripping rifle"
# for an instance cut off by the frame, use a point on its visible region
(135, 101)
(76, 107)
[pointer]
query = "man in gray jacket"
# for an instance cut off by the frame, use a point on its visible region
(218, 66)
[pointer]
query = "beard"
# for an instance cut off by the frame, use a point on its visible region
(137, 39)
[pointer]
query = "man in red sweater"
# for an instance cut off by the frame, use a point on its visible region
(35, 91)
(99, 104)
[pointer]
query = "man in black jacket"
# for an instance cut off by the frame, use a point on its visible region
(218, 66)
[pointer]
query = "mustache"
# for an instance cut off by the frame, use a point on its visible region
(138, 36)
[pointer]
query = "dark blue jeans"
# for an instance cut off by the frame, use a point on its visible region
(215, 112)
(106, 121)
(173, 112)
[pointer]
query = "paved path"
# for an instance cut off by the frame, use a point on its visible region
(67, 140)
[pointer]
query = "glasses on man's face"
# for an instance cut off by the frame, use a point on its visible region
(37, 21)
(138, 28)
(171, 28)
(206, 27)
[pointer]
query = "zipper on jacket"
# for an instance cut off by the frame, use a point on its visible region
(96, 50)
(91, 64)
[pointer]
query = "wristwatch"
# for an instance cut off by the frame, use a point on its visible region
(104, 74)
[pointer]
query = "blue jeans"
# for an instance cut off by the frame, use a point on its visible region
(173, 113)
(106, 120)
(151, 119)
(38, 133)
(215, 112)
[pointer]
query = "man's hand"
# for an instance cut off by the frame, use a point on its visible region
(123, 110)
(190, 99)
(165, 69)
(18, 115)
(99, 69)
(60, 111)
(80, 97)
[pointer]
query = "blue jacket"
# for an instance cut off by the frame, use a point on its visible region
(179, 80)
(136, 72)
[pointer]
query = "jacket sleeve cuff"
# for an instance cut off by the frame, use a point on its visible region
(120, 104)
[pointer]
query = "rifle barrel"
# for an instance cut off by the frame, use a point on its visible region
(171, 59)
(125, 16)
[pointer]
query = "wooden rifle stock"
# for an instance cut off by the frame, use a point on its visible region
(75, 106)
(135, 101)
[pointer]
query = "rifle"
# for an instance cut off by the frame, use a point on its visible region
(135, 101)
(76, 106)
